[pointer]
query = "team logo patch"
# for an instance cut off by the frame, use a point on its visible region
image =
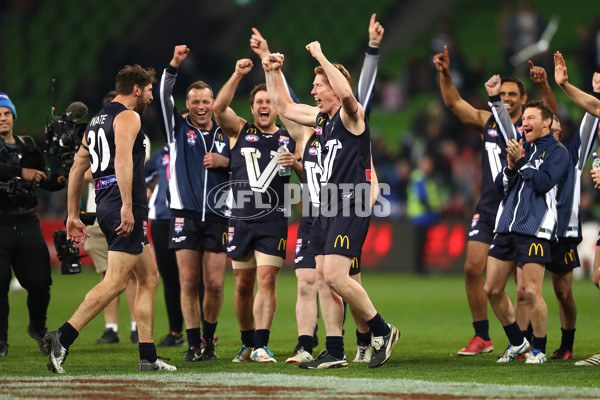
(230, 235)
(493, 132)
(284, 139)
(179, 225)
(319, 130)
(298, 245)
(474, 221)
(165, 159)
(192, 137)
(251, 138)
(312, 151)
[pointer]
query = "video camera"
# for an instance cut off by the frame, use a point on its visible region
(63, 136)
(67, 254)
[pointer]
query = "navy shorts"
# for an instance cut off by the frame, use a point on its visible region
(482, 228)
(522, 249)
(190, 233)
(268, 237)
(344, 235)
(134, 243)
(565, 257)
(306, 259)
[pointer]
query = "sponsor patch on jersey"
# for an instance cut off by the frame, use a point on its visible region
(312, 151)
(165, 159)
(493, 132)
(192, 137)
(319, 130)
(179, 225)
(251, 138)
(104, 182)
(368, 174)
(474, 221)
(298, 245)
(284, 139)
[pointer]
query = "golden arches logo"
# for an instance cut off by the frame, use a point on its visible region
(251, 130)
(282, 243)
(571, 255)
(342, 239)
(320, 120)
(224, 237)
(314, 142)
(220, 136)
(354, 263)
(535, 247)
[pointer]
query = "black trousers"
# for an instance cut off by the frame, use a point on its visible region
(23, 249)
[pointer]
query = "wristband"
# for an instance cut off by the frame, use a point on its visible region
(374, 43)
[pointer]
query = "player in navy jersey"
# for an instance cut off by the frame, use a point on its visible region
(526, 227)
(304, 263)
(258, 225)
(344, 156)
(512, 94)
(199, 160)
(591, 105)
(113, 146)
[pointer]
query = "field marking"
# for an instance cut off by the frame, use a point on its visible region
(245, 385)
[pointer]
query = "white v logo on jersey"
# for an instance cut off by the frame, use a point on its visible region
(259, 180)
(326, 165)
(313, 171)
(220, 146)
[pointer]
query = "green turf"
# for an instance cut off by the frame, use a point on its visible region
(431, 313)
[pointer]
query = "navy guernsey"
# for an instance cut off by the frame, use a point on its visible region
(257, 188)
(100, 138)
(157, 167)
(190, 183)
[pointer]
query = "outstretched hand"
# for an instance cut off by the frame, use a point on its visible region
(375, 30)
(560, 69)
(179, 54)
(537, 74)
(76, 231)
(493, 85)
(258, 44)
(442, 60)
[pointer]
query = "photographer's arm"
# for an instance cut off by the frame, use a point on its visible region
(76, 231)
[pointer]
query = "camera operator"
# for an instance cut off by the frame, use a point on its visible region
(22, 246)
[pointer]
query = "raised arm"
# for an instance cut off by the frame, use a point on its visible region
(352, 113)
(165, 90)
(540, 78)
(507, 128)
(588, 102)
(300, 113)
(227, 119)
(467, 114)
(368, 73)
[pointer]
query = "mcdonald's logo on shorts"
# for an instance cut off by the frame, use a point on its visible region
(571, 255)
(224, 237)
(354, 263)
(281, 245)
(535, 247)
(342, 239)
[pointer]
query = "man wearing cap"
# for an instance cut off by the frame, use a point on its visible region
(22, 247)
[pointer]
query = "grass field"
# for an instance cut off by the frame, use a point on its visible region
(431, 313)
